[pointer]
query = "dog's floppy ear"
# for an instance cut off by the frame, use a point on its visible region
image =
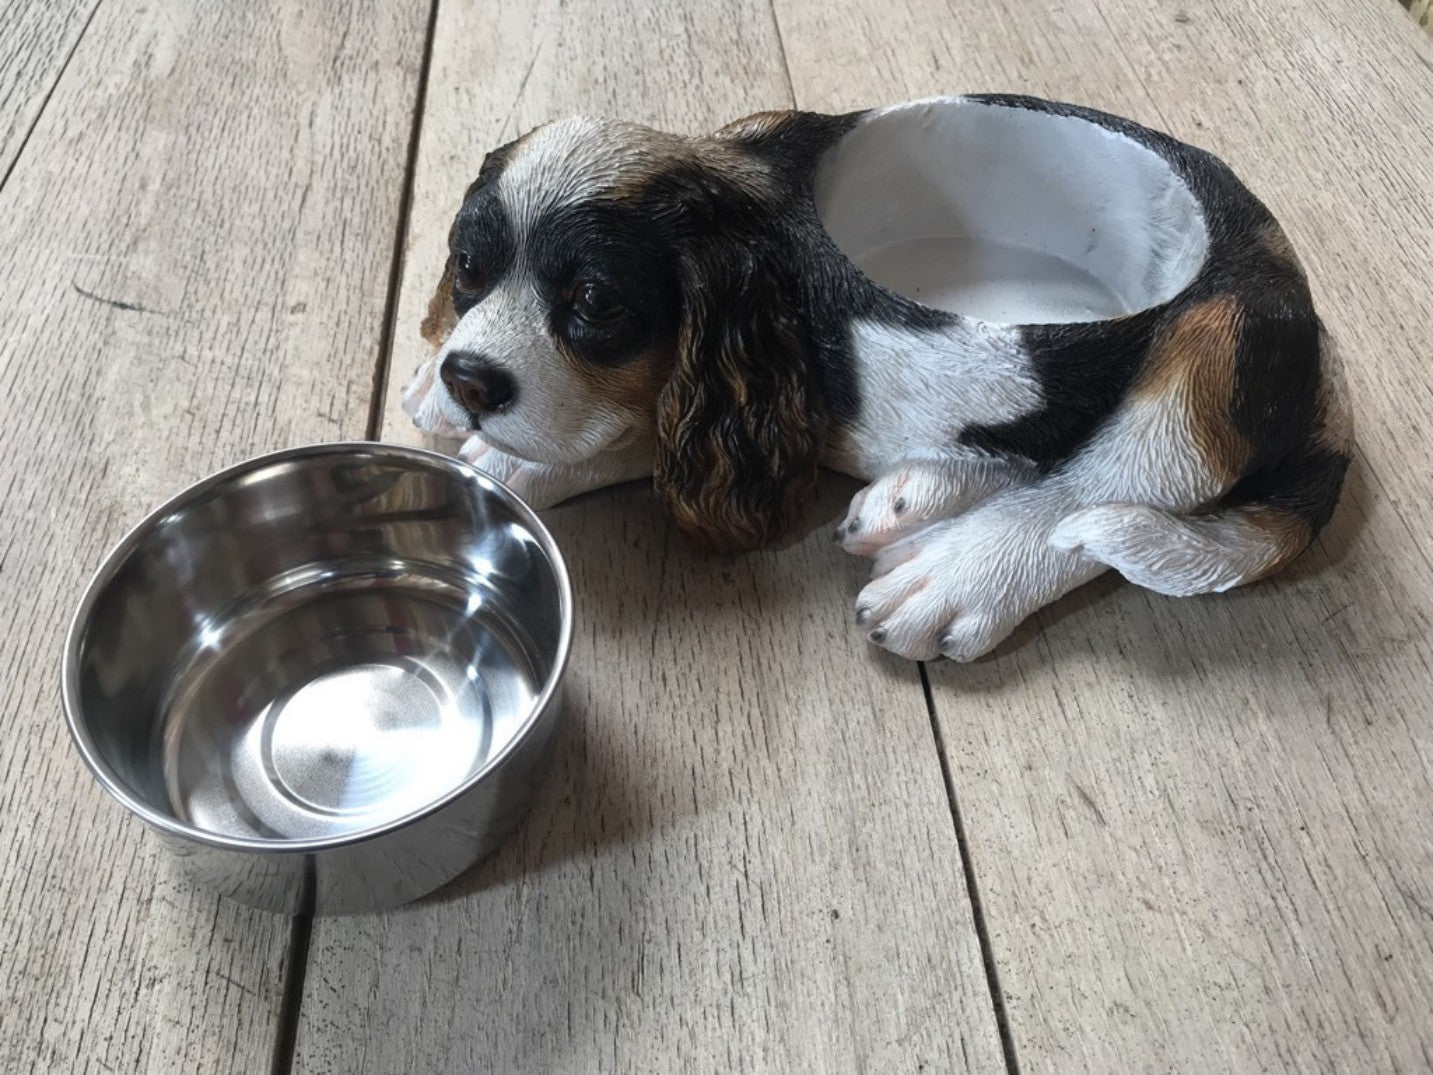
(442, 316)
(738, 428)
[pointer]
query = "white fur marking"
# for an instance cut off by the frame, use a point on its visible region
(1146, 454)
(544, 484)
(920, 389)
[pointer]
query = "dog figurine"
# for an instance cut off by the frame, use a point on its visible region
(619, 302)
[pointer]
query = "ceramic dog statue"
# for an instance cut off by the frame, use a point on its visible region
(1053, 342)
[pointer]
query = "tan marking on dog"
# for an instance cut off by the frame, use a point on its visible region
(756, 125)
(1289, 534)
(605, 157)
(701, 451)
(1193, 367)
(651, 155)
(441, 317)
(633, 386)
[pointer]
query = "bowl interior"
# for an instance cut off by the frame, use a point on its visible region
(320, 645)
(1009, 215)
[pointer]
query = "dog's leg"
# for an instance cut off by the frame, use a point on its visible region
(960, 586)
(916, 493)
(1186, 554)
(544, 484)
(1161, 492)
(957, 587)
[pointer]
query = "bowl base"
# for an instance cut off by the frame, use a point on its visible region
(327, 712)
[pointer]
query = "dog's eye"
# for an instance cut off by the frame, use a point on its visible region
(467, 277)
(597, 305)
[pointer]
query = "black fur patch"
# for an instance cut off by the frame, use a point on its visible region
(1305, 483)
(482, 230)
(626, 251)
(1084, 371)
(484, 233)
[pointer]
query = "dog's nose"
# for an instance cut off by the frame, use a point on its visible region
(477, 383)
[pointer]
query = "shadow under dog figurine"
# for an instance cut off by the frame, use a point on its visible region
(1052, 340)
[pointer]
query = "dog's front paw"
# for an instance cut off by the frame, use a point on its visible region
(958, 588)
(931, 597)
(914, 495)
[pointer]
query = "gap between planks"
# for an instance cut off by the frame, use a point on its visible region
(972, 887)
(384, 365)
(49, 93)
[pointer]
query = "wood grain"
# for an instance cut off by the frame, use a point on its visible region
(194, 251)
(37, 38)
(1421, 11)
(744, 860)
(1201, 829)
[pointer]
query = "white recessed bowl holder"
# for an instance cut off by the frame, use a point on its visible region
(1009, 215)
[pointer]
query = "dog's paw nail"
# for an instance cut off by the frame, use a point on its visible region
(863, 614)
(944, 642)
(899, 507)
(853, 525)
(877, 636)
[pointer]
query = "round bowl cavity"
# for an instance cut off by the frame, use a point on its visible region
(1010, 215)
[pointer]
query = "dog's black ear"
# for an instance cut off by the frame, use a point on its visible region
(738, 425)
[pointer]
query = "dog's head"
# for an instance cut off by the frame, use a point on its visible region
(605, 284)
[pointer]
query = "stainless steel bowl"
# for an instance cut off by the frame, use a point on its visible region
(329, 677)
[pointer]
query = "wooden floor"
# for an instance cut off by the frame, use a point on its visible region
(1146, 835)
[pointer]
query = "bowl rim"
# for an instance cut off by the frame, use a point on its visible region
(121, 551)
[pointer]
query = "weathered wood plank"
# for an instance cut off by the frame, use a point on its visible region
(744, 860)
(1201, 828)
(194, 252)
(1421, 11)
(37, 37)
